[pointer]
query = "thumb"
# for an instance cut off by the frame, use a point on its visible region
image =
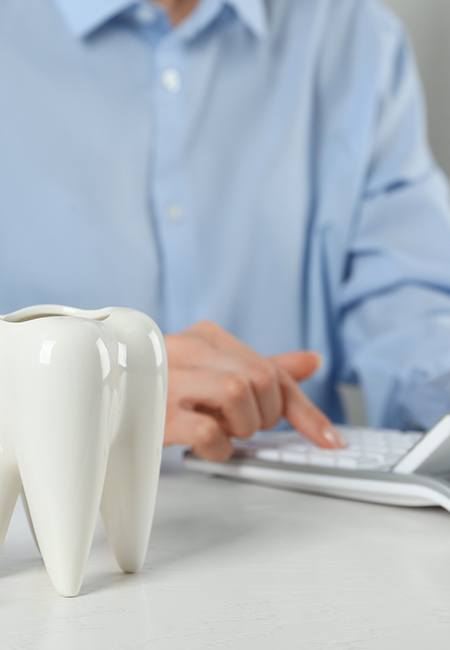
(300, 365)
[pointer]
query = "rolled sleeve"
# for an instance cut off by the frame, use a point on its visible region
(394, 305)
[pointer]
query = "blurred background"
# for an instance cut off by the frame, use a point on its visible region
(428, 23)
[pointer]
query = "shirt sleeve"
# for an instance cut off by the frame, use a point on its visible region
(394, 303)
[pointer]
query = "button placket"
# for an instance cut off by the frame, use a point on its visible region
(170, 108)
(175, 212)
(170, 193)
(171, 80)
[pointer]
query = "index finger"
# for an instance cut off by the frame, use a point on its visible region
(306, 417)
(301, 365)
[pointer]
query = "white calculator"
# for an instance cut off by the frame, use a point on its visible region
(378, 465)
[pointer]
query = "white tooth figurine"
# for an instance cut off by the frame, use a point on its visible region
(82, 410)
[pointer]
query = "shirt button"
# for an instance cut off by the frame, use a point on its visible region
(144, 14)
(171, 80)
(175, 212)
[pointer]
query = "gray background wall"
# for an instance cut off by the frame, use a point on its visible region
(428, 23)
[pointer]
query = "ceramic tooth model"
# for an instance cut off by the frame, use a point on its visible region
(82, 410)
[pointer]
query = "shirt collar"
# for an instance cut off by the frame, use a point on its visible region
(83, 17)
(253, 13)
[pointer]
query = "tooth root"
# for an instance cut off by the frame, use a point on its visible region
(131, 483)
(61, 452)
(63, 491)
(129, 497)
(30, 521)
(9, 491)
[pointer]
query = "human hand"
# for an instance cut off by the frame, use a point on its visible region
(220, 388)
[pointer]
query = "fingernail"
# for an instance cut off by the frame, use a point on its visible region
(334, 438)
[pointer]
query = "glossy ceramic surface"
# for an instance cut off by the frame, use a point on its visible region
(83, 400)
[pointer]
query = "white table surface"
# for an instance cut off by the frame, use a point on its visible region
(235, 566)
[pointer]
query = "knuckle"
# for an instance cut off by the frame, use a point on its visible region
(208, 327)
(264, 377)
(235, 388)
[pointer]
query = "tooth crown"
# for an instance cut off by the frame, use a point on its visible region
(81, 428)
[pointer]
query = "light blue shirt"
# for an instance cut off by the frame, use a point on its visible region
(265, 165)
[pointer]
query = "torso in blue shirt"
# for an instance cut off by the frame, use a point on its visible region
(263, 165)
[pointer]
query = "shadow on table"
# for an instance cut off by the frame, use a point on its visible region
(11, 567)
